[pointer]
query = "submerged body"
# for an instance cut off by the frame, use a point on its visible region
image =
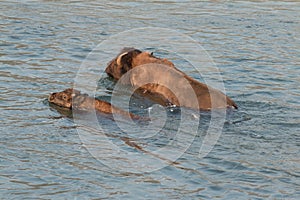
(159, 80)
(74, 99)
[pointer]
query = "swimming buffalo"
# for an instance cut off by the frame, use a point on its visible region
(159, 80)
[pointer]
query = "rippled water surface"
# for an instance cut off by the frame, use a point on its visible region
(256, 47)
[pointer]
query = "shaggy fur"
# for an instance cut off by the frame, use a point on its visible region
(159, 80)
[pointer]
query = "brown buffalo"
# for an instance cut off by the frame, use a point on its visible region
(74, 99)
(159, 80)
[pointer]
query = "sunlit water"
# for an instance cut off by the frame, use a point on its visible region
(254, 45)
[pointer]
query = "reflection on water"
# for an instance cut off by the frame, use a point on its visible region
(255, 45)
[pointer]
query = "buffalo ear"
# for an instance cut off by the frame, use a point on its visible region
(122, 64)
(74, 93)
(126, 60)
(119, 58)
(126, 63)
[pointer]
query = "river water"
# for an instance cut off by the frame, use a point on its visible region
(254, 45)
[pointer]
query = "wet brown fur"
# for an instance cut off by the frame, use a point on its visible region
(74, 99)
(130, 58)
